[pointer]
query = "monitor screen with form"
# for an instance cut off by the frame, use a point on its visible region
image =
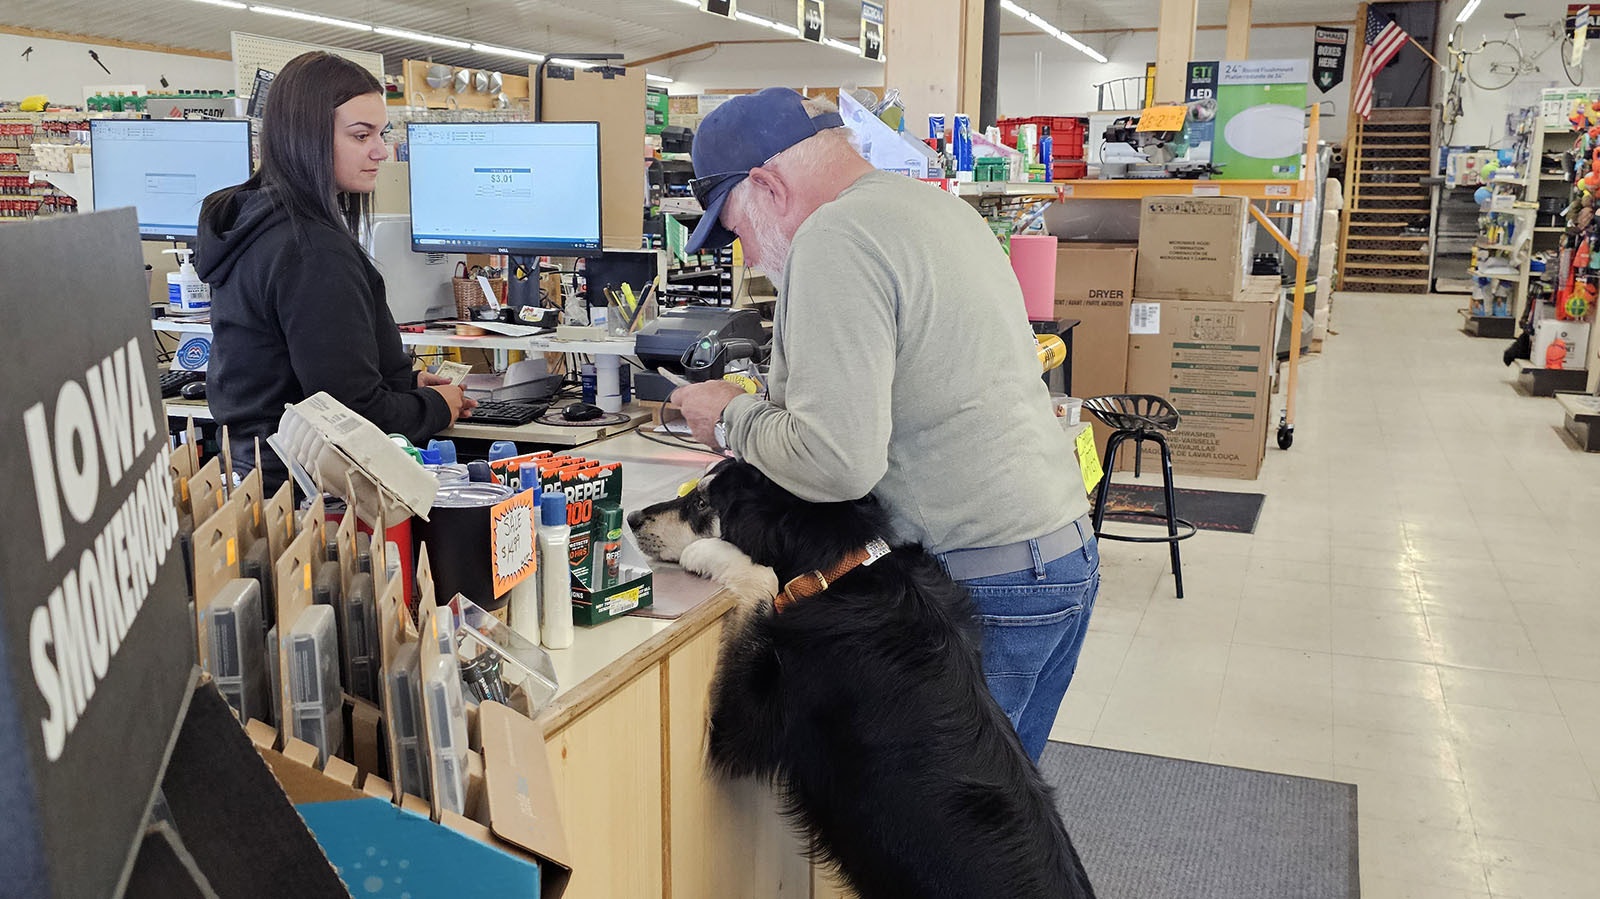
(165, 168)
(525, 188)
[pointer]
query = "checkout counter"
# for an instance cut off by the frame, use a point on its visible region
(626, 736)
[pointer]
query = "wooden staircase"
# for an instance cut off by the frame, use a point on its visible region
(1389, 155)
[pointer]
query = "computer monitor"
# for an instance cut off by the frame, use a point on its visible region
(517, 188)
(165, 168)
(417, 285)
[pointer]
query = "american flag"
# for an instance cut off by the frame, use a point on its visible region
(1384, 40)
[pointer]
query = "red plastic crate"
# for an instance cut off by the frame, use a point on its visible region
(1070, 171)
(1067, 133)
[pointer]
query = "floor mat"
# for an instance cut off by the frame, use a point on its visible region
(1157, 828)
(1210, 510)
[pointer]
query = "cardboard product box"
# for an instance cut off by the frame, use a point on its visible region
(1094, 284)
(1192, 248)
(1576, 335)
(587, 484)
(1213, 361)
(1260, 123)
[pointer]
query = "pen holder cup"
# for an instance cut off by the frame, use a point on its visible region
(622, 321)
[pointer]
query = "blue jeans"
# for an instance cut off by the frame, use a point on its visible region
(1034, 622)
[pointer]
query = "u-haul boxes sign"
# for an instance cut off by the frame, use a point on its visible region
(96, 657)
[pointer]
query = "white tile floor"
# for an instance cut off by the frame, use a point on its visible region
(1417, 613)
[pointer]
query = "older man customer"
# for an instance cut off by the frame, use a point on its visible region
(902, 366)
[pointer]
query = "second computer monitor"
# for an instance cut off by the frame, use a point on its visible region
(165, 168)
(520, 188)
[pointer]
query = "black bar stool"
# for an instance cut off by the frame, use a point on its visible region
(1140, 417)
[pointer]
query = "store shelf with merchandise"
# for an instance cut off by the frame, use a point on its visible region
(1561, 313)
(1502, 257)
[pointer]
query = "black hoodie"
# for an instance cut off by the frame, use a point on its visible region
(293, 316)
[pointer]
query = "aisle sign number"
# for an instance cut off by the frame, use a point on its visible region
(810, 18)
(871, 30)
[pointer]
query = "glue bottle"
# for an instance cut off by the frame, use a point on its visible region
(555, 577)
(524, 601)
(185, 291)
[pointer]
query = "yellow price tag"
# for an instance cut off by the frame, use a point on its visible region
(1163, 118)
(233, 550)
(1088, 460)
(308, 575)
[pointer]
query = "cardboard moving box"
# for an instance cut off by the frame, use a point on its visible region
(1193, 248)
(1213, 361)
(1094, 284)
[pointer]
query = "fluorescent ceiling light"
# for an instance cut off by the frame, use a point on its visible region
(421, 38)
(507, 51)
(659, 79)
(1036, 21)
(225, 4)
(768, 23)
(837, 44)
(1468, 10)
(311, 17)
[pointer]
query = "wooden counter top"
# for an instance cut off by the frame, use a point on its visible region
(606, 657)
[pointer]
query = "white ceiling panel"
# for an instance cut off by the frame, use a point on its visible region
(638, 29)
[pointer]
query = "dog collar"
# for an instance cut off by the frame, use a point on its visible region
(813, 582)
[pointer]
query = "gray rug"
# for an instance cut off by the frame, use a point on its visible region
(1158, 828)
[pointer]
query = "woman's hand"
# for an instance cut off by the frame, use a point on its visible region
(429, 379)
(460, 404)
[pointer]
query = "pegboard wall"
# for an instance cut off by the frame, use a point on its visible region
(252, 51)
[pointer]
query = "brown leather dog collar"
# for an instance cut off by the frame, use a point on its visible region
(814, 582)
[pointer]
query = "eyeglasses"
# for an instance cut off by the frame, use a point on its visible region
(704, 188)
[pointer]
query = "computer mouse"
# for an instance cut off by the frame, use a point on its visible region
(194, 390)
(582, 412)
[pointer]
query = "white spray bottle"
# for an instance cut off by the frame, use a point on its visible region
(555, 575)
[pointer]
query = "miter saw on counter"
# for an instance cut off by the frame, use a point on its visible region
(1153, 144)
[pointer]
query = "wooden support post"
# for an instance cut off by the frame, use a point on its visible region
(1238, 30)
(933, 53)
(1174, 48)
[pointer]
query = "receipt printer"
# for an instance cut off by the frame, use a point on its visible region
(661, 343)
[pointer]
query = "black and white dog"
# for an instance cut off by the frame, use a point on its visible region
(865, 704)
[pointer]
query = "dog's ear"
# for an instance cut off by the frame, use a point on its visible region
(778, 529)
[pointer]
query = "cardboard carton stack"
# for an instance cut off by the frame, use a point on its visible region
(1203, 333)
(1094, 284)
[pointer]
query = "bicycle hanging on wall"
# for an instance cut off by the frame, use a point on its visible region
(1496, 63)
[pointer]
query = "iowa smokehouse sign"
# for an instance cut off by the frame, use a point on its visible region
(96, 634)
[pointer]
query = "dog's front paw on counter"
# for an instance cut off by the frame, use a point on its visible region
(724, 563)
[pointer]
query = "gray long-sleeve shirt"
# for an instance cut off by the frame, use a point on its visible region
(903, 365)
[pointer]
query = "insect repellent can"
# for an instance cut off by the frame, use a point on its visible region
(608, 555)
(962, 142)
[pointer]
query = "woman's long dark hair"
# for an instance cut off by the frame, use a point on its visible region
(297, 146)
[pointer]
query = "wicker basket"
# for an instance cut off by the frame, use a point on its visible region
(469, 294)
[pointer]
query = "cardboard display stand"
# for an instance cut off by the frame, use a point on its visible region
(95, 661)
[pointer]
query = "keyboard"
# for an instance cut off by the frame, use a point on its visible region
(173, 380)
(504, 414)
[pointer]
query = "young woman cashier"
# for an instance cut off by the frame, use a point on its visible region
(297, 307)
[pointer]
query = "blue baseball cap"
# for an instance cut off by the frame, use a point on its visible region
(741, 134)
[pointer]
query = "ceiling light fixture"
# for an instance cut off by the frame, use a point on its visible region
(659, 79)
(421, 38)
(768, 23)
(1036, 21)
(1467, 11)
(225, 4)
(507, 51)
(311, 17)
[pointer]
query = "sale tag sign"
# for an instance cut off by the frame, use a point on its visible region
(511, 541)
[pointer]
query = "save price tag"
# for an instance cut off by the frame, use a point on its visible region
(1088, 460)
(511, 541)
